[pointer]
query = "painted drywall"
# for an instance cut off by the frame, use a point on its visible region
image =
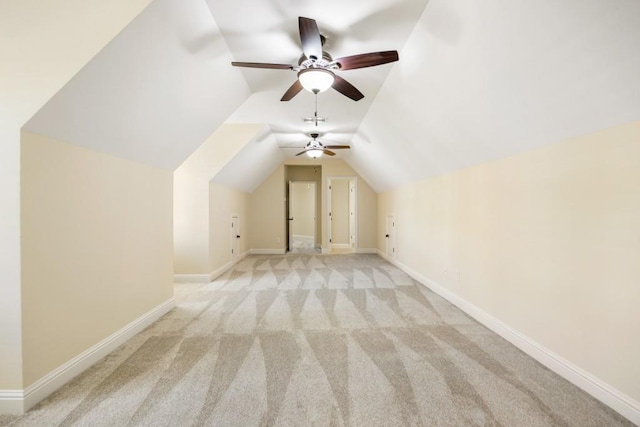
(302, 199)
(545, 241)
(339, 211)
(272, 220)
(267, 213)
(96, 248)
(190, 225)
(33, 69)
(226, 202)
(191, 234)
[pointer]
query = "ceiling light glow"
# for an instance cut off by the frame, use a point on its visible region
(316, 79)
(314, 153)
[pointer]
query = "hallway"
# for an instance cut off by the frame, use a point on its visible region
(323, 340)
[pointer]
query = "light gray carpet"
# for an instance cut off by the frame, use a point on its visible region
(317, 340)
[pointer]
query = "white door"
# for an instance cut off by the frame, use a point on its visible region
(235, 237)
(342, 224)
(390, 236)
(290, 216)
(352, 214)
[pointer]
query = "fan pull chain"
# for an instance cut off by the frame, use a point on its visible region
(315, 114)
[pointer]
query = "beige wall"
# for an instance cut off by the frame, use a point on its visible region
(340, 211)
(33, 69)
(303, 206)
(191, 233)
(267, 213)
(546, 242)
(224, 203)
(190, 224)
(96, 248)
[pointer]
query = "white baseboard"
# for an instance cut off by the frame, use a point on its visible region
(388, 259)
(12, 402)
(191, 278)
(267, 251)
(340, 246)
(220, 271)
(366, 251)
(302, 237)
(20, 401)
(618, 401)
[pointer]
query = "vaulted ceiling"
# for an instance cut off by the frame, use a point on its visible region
(476, 81)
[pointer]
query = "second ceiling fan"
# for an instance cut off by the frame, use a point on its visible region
(315, 148)
(316, 68)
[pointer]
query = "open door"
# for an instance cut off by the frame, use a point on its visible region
(342, 206)
(302, 215)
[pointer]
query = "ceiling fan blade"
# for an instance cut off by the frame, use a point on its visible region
(366, 59)
(310, 38)
(292, 91)
(338, 147)
(302, 152)
(328, 153)
(263, 65)
(346, 88)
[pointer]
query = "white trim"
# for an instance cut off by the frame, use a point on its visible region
(340, 246)
(20, 401)
(326, 251)
(191, 278)
(327, 196)
(366, 251)
(220, 271)
(620, 402)
(302, 236)
(11, 402)
(267, 251)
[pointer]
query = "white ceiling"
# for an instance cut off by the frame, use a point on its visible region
(476, 81)
(153, 94)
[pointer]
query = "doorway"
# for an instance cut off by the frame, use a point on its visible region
(342, 202)
(302, 219)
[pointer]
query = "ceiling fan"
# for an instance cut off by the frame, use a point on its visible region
(316, 68)
(315, 148)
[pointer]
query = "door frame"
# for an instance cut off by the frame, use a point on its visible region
(353, 234)
(290, 219)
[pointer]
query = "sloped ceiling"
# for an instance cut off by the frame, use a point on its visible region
(155, 93)
(484, 80)
(476, 81)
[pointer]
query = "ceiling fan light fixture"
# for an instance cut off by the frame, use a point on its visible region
(316, 79)
(314, 153)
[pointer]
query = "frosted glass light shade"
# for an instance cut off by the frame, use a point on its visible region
(314, 153)
(316, 79)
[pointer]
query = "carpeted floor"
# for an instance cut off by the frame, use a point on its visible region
(317, 340)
